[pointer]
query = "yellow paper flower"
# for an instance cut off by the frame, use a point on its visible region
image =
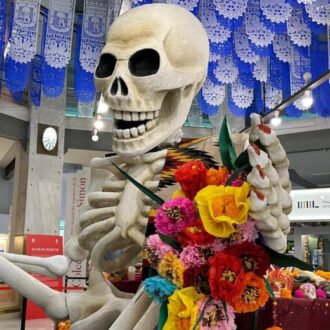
(171, 268)
(220, 207)
(182, 309)
(179, 193)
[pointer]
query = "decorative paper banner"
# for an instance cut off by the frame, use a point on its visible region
(273, 97)
(216, 32)
(17, 74)
(319, 11)
(211, 96)
(276, 11)
(282, 47)
(35, 82)
(3, 4)
(241, 96)
(23, 41)
(242, 46)
(93, 33)
(298, 67)
(84, 88)
(136, 3)
(225, 71)
(298, 31)
(230, 12)
(113, 12)
(59, 32)
(260, 69)
(255, 29)
(188, 4)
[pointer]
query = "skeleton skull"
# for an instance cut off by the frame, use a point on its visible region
(309, 290)
(152, 66)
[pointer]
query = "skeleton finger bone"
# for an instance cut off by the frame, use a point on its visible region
(56, 266)
(133, 312)
(36, 291)
(135, 234)
(149, 320)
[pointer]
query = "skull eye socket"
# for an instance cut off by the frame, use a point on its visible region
(143, 63)
(106, 66)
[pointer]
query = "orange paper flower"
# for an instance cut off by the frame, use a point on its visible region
(274, 328)
(253, 295)
(216, 177)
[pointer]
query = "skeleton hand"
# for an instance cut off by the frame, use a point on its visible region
(269, 178)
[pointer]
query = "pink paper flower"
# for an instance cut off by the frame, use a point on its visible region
(219, 244)
(191, 257)
(215, 317)
(159, 247)
(249, 230)
(175, 215)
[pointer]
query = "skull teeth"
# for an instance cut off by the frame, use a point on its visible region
(134, 132)
(136, 115)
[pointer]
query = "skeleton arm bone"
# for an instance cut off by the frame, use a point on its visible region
(55, 267)
(51, 301)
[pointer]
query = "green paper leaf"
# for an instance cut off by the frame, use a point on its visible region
(236, 173)
(269, 288)
(283, 260)
(170, 241)
(202, 313)
(242, 159)
(225, 309)
(138, 185)
(226, 146)
(162, 315)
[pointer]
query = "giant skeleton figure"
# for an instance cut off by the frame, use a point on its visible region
(152, 66)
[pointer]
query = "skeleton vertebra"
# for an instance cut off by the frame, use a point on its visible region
(153, 64)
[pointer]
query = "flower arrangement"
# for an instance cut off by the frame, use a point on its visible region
(204, 252)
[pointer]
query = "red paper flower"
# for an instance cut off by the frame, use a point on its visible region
(226, 276)
(253, 257)
(198, 278)
(195, 234)
(192, 178)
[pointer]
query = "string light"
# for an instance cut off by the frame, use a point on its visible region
(276, 120)
(307, 99)
(102, 107)
(98, 124)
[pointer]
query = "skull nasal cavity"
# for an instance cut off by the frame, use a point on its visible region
(143, 63)
(119, 86)
(106, 66)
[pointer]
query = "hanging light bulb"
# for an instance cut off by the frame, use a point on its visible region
(95, 137)
(307, 99)
(276, 120)
(98, 124)
(102, 107)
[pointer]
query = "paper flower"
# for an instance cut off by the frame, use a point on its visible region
(252, 295)
(215, 318)
(253, 257)
(159, 288)
(191, 257)
(182, 309)
(158, 246)
(195, 234)
(175, 215)
(171, 268)
(216, 177)
(192, 178)
(221, 207)
(198, 278)
(226, 276)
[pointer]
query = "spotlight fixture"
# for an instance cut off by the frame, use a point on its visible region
(276, 120)
(307, 99)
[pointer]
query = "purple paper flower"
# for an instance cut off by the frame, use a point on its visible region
(175, 215)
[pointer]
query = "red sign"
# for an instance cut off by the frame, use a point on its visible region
(43, 246)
